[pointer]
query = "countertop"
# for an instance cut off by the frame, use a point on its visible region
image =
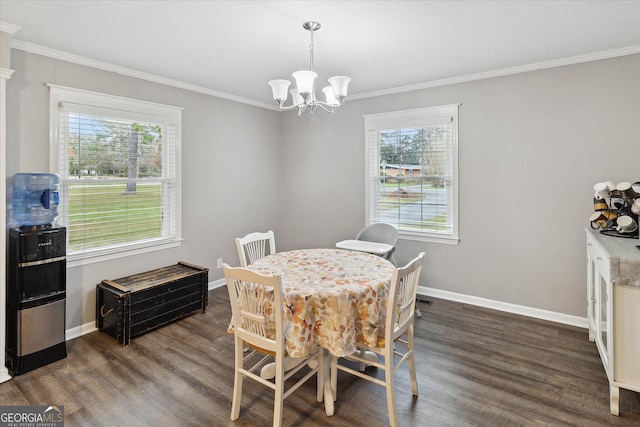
(624, 257)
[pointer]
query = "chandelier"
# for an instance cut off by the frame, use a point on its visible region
(303, 96)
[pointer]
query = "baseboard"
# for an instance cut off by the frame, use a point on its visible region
(537, 313)
(4, 374)
(78, 331)
(217, 283)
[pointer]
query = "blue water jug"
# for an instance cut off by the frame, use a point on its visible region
(35, 198)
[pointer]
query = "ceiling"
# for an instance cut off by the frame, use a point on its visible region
(232, 48)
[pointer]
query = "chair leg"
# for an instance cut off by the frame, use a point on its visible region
(278, 401)
(412, 361)
(237, 380)
(391, 396)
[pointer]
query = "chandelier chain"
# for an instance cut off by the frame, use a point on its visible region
(311, 51)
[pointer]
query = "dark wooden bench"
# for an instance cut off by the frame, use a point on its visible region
(133, 305)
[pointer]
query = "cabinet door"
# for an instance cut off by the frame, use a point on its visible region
(603, 314)
(603, 321)
(601, 304)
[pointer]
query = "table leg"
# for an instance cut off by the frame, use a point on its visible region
(329, 393)
(371, 357)
(268, 371)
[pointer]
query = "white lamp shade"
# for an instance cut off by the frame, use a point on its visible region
(279, 88)
(295, 97)
(304, 81)
(339, 85)
(331, 99)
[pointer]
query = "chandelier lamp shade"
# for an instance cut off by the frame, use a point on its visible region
(304, 96)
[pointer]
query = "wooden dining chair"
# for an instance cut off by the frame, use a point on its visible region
(256, 306)
(398, 330)
(254, 246)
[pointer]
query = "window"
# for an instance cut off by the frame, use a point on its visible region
(118, 161)
(412, 162)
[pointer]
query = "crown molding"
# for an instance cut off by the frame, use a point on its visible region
(5, 27)
(630, 50)
(80, 60)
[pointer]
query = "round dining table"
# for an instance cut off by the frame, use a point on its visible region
(334, 298)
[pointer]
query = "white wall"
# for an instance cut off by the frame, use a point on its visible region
(531, 147)
(230, 171)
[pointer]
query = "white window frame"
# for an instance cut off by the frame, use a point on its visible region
(405, 119)
(131, 109)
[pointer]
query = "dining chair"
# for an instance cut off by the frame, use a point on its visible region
(253, 246)
(398, 330)
(257, 310)
(379, 233)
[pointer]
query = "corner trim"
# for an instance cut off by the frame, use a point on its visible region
(6, 73)
(8, 28)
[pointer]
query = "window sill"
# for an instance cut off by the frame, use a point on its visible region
(430, 238)
(78, 260)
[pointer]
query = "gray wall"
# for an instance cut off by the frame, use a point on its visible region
(231, 167)
(531, 147)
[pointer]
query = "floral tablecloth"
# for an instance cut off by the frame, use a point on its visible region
(333, 297)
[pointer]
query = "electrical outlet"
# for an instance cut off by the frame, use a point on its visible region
(219, 262)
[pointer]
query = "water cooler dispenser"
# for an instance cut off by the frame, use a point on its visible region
(36, 285)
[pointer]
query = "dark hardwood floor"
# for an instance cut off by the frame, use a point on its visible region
(476, 367)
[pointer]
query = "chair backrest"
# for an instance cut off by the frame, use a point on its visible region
(256, 307)
(380, 233)
(253, 246)
(402, 298)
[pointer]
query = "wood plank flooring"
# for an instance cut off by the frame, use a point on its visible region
(476, 367)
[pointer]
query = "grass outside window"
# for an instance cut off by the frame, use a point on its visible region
(104, 213)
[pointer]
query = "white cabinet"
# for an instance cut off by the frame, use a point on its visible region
(613, 309)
